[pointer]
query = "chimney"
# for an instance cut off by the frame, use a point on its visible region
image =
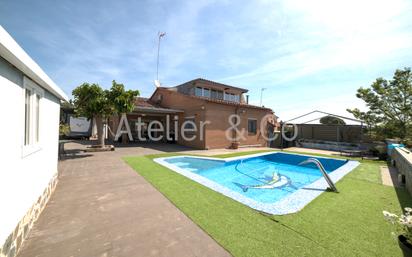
(247, 99)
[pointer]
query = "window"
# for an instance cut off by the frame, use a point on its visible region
(232, 97)
(37, 115)
(213, 94)
(32, 104)
(189, 123)
(237, 98)
(201, 91)
(220, 95)
(251, 126)
(27, 110)
(189, 128)
(206, 92)
(198, 91)
(216, 94)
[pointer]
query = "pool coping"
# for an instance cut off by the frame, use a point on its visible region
(290, 204)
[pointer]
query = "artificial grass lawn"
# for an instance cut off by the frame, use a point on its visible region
(349, 223)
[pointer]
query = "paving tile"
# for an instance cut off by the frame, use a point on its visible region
(102, 207)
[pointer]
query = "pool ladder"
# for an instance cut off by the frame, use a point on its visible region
(324, 173)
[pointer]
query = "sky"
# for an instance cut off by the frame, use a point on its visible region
(308, 55)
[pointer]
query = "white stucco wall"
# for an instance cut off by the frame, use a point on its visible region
(23, 179)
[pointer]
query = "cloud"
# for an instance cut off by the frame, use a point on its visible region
(110, 43)
(346, 34)
(305, 52)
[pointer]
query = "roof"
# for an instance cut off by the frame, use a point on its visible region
(14, 54)
(143, 104)
(215, 83)
(323, 115)
(243, 105)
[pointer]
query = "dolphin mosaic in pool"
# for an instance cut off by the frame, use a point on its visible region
(271, 182)
(276, 181)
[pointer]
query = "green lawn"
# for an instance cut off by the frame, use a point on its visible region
(349, 223)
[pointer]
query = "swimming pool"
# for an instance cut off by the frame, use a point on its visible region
(271, 182)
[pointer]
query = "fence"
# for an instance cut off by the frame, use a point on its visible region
(337, 133)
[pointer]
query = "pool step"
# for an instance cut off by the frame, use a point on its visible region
(180, 164)
(184, 166)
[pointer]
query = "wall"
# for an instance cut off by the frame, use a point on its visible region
(192, 108)
(403, 161)
(346, 133)
(24, 179)
(219, 115)
(202, 110)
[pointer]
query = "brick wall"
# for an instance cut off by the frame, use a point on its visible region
(217, 114)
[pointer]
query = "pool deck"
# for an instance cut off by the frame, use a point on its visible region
(229, 151)
(102, 207)
(293, 149)
(313, 151)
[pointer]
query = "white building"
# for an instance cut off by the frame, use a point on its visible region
(29, 108)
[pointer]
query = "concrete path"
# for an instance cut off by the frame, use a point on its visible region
(102, 207)
(390, 176)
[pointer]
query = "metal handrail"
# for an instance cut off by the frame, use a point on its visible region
(324, 173)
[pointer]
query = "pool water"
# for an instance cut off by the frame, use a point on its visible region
(246, 179)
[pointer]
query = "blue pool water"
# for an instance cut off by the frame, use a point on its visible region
(239, 174)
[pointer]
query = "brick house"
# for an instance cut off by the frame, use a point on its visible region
(202, 100)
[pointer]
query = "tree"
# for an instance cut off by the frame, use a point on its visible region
(389, 103)
(91, 102)
(331, 120)
(369, 119)
(121, 100)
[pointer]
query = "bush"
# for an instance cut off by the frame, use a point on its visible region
(64, 129)
(380, 151)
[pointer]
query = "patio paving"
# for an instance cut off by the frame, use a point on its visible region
(102, 207)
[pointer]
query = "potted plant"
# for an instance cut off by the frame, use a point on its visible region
(235, 145)
(403, 225)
